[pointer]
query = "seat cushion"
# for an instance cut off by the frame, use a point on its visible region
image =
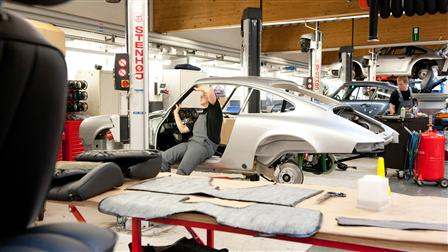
(136, 164)
(61, 237)
(83, 184)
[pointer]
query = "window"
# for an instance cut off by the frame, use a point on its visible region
(233, 98)
(418, 50)
(271, 103)
(356, 93)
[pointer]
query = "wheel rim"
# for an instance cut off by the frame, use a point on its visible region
(289, 173)
(423, 73)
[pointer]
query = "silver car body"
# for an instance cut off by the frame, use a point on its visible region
(313, 127)
(390, 63)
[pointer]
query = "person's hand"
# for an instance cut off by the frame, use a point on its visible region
(177, 109)
(199, 88)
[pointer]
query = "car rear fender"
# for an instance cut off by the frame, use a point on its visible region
(272, 147)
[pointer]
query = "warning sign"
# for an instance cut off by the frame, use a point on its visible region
(122, 63)
(122, 72)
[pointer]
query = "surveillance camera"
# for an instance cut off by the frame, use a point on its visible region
(113, 1)
(305, 42)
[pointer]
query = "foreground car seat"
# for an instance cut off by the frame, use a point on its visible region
(33, 80)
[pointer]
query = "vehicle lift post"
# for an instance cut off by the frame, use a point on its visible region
(372, 65)
(251, 50)
(311, 43)
(347, 63)
(138, 95)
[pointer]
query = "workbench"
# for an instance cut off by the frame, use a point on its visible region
(402, 207)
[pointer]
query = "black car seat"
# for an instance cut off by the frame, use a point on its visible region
(33, 78)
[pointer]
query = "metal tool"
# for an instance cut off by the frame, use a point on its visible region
(330, 195)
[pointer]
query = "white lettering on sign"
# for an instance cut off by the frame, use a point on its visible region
(138, 51)
(317, 78)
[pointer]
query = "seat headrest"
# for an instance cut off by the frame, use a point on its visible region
(41, 2)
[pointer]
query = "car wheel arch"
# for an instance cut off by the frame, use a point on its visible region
(416, 65)
(268, 146)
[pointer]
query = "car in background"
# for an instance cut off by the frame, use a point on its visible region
(370, 98)
(411, 61)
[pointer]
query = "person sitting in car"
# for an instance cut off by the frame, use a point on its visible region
(206, 135)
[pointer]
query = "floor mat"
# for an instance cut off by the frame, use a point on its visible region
(402, 225)
(269, 194)
(263, 218)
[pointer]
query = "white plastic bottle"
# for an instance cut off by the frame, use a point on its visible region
(402, 112)
(373, 192)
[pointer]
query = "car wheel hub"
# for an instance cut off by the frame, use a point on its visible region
(289, 173)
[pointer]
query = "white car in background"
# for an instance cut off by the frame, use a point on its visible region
(292, 121)
(412, 61)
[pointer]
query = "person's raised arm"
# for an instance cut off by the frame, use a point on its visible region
(180, 125)
(208, 92)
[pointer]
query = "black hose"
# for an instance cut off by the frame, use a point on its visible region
(384, 6)
(409, 8)
(442, 6)
(397, 8)
(419, 6)
(431, 6)
(373, 20)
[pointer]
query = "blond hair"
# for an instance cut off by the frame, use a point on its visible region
(404, 79)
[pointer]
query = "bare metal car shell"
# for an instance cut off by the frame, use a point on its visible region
(310, 128)
(265, 137)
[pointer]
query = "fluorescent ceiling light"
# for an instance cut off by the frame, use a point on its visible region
(315, 20)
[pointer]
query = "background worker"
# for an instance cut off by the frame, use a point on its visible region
(401, 97)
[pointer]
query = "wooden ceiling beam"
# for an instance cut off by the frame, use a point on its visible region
(339, 33)
(170, 15)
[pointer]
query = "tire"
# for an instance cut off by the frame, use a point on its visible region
(409, 8)
(419, 6)
(384, 6)
(288, 173)
(397, 8)
(442, 6)
(443, 183)
(431, 6)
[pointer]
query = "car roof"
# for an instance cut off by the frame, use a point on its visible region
(254, 81)
(273, 84)
(371, 83)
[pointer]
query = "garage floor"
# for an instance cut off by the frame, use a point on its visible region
(163, 235)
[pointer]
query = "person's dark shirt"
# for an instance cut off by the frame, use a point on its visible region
(395, 98)
(214, 121)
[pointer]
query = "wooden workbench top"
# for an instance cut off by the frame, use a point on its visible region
(402, 207)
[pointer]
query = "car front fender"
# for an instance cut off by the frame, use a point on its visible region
(91, 127)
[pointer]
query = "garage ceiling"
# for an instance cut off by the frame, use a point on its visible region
(217, 22)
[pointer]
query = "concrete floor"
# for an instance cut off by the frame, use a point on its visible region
(160, 235)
